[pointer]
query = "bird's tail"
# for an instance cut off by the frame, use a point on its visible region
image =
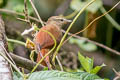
(46, 61)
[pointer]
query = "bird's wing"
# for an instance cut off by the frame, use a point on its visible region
(44, 39)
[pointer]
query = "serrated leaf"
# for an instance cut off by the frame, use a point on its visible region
(60, 75)
(53, 75)
(86, 76)
(97, 69)
(78, 5)
(86, 63)
(90, 61)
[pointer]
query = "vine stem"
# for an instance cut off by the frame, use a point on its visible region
(36, 12)
(16, 41)
(110, 19)
(55, 43)
(63, 38)
(92, 22)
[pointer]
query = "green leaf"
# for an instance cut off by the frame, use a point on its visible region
(45, 69)
(97, 69)
(60, 75)
(78, 5)
(90, 61)
(86, 63)
(53, 75)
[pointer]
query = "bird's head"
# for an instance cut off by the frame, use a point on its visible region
(58, 20)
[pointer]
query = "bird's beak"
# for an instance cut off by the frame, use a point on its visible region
(68, 20)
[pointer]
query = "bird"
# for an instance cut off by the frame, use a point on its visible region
(44, 42)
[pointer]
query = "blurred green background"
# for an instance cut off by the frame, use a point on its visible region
(105, 31)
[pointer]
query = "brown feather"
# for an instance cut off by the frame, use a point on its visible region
(44, 39)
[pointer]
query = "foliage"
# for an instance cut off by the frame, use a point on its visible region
(87, 64)
(60, 75)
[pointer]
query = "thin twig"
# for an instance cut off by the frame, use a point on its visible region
(16, 13)
(12, 64)
(24, 20)
(61, 67)
(8, 55)
(116, 78)
(25, 63)
(117, 73)
(92, 22)
(70, 26)
(26, 13)
(36, 13)
(96, 43)
(110, 19)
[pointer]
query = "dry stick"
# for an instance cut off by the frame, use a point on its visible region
(117, 73)
(94, 42)
(24, 20)
(21, 14)
(92, 23)
(59, 63)
(116, 78)
(26, 13)
(8, 55)
(36, 12)
(25, 63)
(25, 10)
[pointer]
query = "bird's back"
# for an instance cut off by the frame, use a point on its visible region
(44, 39)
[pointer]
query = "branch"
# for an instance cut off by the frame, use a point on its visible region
(26, 13)
(25, 63)
(33, 6)
(110, 3)
(16, 13)
(94, 42)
